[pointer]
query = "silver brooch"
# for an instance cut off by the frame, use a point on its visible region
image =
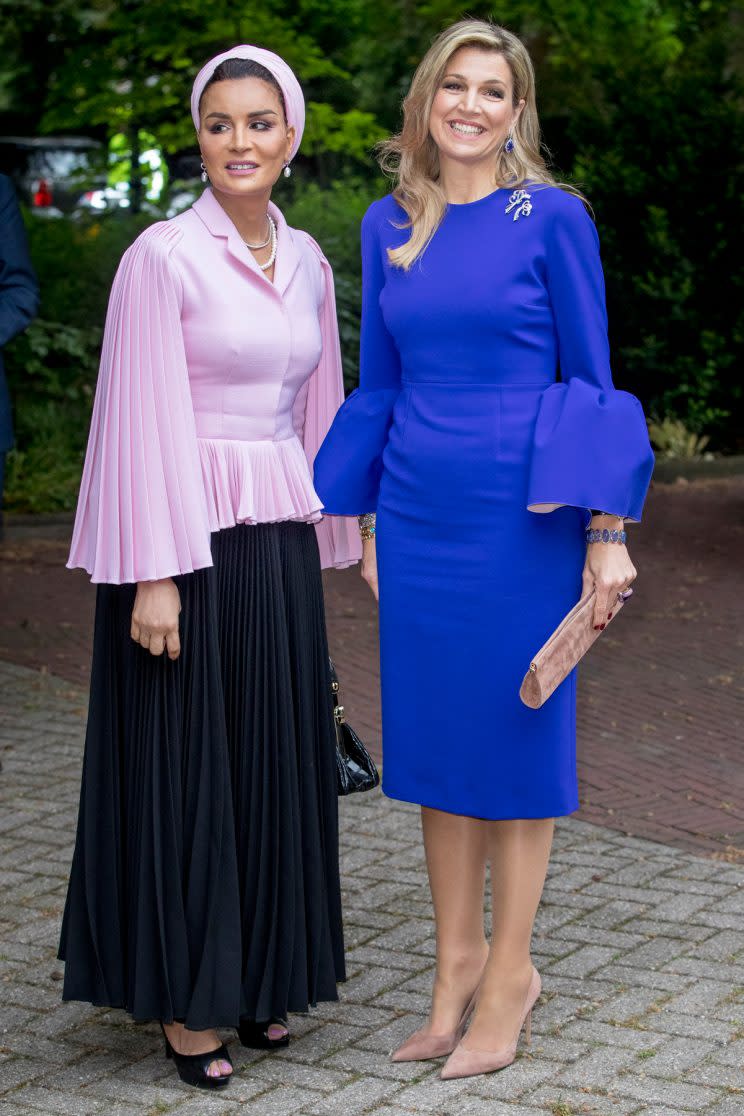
(520, 202)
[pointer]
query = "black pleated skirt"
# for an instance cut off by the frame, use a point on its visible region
(205, 882)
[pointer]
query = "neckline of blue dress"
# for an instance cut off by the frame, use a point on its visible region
(478, 201)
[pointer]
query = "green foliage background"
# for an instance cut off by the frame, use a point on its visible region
(641, 102)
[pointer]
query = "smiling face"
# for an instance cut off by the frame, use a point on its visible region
(473, 108)
(243, 136)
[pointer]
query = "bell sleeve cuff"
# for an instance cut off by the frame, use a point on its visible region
(348, 466)
(590, 450)
(142, 512)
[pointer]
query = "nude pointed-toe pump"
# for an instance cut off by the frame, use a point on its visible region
(464, 1062)
(420, 1047)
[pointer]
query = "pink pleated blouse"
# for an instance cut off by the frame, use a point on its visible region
(216, 389)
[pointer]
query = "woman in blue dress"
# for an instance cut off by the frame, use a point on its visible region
(486, 435)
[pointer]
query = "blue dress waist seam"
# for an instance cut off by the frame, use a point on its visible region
(480, 386)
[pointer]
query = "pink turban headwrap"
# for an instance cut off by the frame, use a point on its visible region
(293, 99)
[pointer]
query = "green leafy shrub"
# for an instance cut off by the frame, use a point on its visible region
(672, 438)
(333, 218)
(76, 261)
(52, 367)
(52, 371)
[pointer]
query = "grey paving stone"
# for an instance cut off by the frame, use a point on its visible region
(284, 1072)
(385, 1039)
(715, 1074)
(596, 1070)
(697, 967)
(324, 1040)
(692, 1098)
(726, 945)
(582, 962)
(433, 1095)
(372, 955)
(655, 953)
(578, 1102)
(405, 1000)
(357, 1097)
(589, 988)
(556, 1048)
(593, 1031)
(703, 996)
(634, 1003)
(679, 1055)
(688, 1026)
(730, 1053)
(516, 1082)
(273, 1102)
(679, 907)
(631, 977)
(369, 982)
(729, 1106)
(18, 1071)
(470, 1105)
(393, 1110)
(54, 1101)
(355, 1060)
(593, 935)
(358, 1014)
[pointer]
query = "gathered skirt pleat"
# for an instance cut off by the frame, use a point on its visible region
(204, 885)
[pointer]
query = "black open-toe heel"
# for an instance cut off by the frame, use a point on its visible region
(193, 1069)
(256, 1035)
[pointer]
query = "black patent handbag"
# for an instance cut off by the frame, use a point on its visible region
(356, 770)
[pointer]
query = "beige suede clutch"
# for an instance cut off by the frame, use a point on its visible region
(564, 648)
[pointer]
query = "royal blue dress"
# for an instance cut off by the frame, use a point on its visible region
(459, 436)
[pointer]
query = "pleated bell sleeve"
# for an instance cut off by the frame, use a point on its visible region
(141, 512)
(348, 467)
(591, 446)
(338, 537)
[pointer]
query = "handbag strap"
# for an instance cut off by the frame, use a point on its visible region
(338, 709)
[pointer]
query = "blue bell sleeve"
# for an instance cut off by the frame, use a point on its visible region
(348, 465)
(591, 446)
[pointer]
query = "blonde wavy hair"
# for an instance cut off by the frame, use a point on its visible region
(411, 158)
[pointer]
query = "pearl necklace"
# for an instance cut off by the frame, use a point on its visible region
(255, 247)
(272, 240)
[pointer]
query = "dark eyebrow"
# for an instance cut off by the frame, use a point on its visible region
(488, 81)
(226, 115)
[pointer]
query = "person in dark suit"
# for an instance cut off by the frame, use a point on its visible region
(19, 301)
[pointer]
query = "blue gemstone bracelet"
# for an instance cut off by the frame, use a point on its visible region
(594, 535)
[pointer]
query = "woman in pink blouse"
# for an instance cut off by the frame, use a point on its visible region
(204, 889)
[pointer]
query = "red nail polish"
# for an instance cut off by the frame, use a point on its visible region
(596, 627)
(609, 615)
(601, 627)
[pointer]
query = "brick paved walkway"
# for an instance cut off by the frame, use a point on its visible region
(661, 698)
(639, 944)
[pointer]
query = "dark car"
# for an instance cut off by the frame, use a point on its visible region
(53, 174)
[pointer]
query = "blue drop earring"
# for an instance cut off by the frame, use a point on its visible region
(509, 145)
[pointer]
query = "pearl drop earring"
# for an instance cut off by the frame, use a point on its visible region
(204, 175)
(287, 170)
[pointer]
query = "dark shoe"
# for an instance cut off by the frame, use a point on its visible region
(256, 1035)
(193, 1069)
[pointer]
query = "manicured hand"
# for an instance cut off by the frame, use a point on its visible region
(155, 617)
(608, 570)
(369, 565)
